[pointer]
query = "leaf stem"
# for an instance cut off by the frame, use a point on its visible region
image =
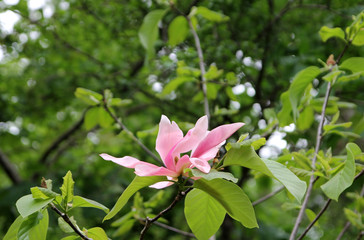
(149, 221)
(130, 134)
(69, 222)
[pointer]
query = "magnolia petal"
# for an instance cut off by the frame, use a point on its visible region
(193, 137)
(160, 185)
(147, 169)
(126, 161)
(183, 162)
(169, 135)
(215, 138)
(211, 153)
(201, 165)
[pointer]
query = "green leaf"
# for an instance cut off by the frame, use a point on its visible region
(175, 83)
(350, 77)
(148, 32)
(177, 31)
(14, 228)
(332, 76)
(72, 237)
(243, 154)
(354, 218)
(284, 116)
(209, 14)
(306, 118)
(345, 177)
(97, 233)
(354, 64)
(42, 193)
(67, 190)
(232, 198)
(299, 84)
(311, 216)
(213, 72)
(27, 205)
(359, 38)
(35, 226)
(105, 120)
(118, 102)
(137, 184)
(326, 33)
(64, 226)
(84, 202)
(89, 97)
(91, 118)
(204, 214)
(214, 174)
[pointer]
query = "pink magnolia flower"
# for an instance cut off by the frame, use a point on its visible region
(171, 144)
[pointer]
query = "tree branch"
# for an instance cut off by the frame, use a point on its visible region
(187, 234)
(130, 134)
(266, 197)
(149, 221)
(202, 67)
(324, 209)
(69, 222)
(317, 148)
(9, 168)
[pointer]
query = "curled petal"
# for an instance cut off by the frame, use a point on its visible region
(126, 161)
(147, 169)
(169, 135)
(201, 165)
(193, 137)
(215, 138)
(160, 185)
(183, 162)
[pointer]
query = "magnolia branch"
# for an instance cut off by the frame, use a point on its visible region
(130, 134)
(266, 197)
(69, 222)
(324, 208)
(202, 67)
(317, 148)
(149, 221)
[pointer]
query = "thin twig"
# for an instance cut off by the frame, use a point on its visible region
(130, 134)
(324, 208)
(360, 235)
(69, 222)
(317, 148)
(9, 168)
(187, 234)
(202, 67)
(266, 197)
(149, 221)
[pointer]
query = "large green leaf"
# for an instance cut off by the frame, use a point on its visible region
(67, 189)
(27, 205)
(345, 177)
(209, 14)
(204, 214)
(243, 154)
(177, 30)
(42, 193)
(35, 226)
(284, 116)
(354, 64)
(137, 184)
(359, 38)
(326, 33)
(84, 202)
(232, 198)
(299, 84)
(175, 83)
(148, 32)
(14, 228)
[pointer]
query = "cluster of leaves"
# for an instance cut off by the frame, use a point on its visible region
(33, 208)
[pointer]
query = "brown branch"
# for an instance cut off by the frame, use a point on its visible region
(176, 230)
(62, 138)
(149, 221)
(130, 134)
(69, 222)
(323, 210)
(9, 168)
(266, 197)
